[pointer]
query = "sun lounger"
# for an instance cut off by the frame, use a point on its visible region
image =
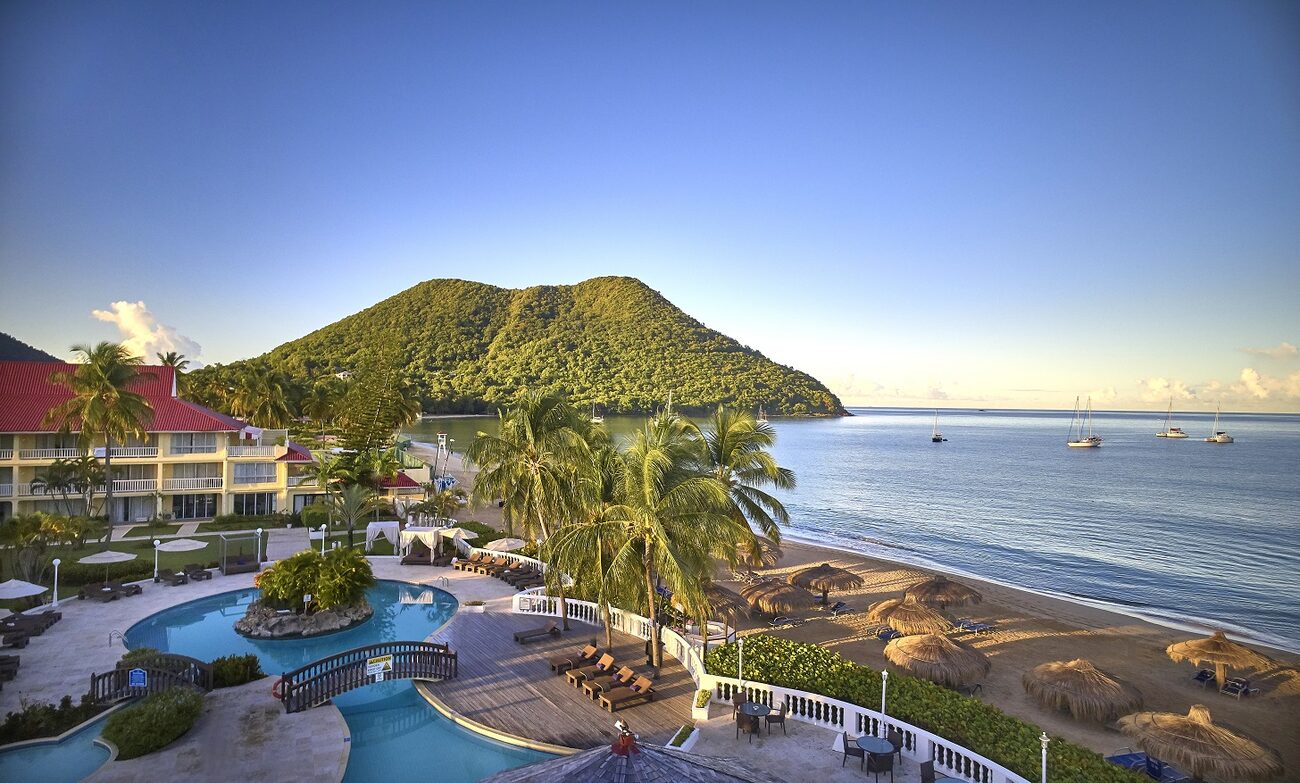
(592, 686)
(444, 561)
(1153, 768)
(173, 578)
(99, 592)
(537, 634)
(781, 620)
(886, 634)
(517, 575)
(585, 657)
(839, 608)
(492, 567)
(525, 584)
(468, 565)
(1203, 676)
(603, 666)
(22, 624)
(1238, 687)
(196, 572)
(618, 698)
(15, 638)
(125, 589)
(970, 626)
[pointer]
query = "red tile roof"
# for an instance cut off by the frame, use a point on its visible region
(296, 453)
(400, 481)
(27, 395)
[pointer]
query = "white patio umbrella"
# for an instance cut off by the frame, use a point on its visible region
(106, 557)
(506, 544)
(459, 532)
(17, 588)
(174, 545)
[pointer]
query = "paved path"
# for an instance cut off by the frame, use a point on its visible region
(188, 529)
(282, 542)
(244, 735)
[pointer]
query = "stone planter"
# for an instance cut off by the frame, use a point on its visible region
(473, 608)
(699, 714)
(264, 622)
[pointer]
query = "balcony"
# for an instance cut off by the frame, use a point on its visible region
(302, 481)
(6, 490)
(127, 452)
(6, 453)
(251, 451)
(135, 485)
(212, 449)
(182, 484)
(50, 453)
(241, 480)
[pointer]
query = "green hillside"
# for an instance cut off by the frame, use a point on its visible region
(611, 341)
(13, 349)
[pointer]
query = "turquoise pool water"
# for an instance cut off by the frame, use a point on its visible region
(64, 762)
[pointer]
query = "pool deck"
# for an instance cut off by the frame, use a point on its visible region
(510, 687)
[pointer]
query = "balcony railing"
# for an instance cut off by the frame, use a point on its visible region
(134, 451)
(6, 490)
(50, 453)
(204, 449)
(192, 483)
(302, 481)
(6, 453)
(271, 479)
(250, 451)
(26, 491)
(135, 485)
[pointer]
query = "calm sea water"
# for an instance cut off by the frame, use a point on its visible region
(1185, 533)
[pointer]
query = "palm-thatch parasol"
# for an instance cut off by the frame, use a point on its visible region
(938, 658)
(775, 597)
(1083, 689)
(942, 592)
(1220, 651)
(761, 552)
(726, 603)
(1194, 744)
(907, 616)
(633, 763)
(825, 578)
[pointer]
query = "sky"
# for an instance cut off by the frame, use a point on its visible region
(940, 204)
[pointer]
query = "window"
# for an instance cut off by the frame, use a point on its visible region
(254, 503)
(254, 472)
(194, 442)
(193, 470)
(58, 440)
(194, 506)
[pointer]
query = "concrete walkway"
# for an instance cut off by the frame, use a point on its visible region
(243, 735)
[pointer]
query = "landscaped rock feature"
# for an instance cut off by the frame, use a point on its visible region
(264, 622)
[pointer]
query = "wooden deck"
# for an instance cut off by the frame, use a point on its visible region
(511, 688)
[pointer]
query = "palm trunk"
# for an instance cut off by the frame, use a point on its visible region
(656, 657)
(108, 488)
(609, 625)
(704, 633)
(559, 584)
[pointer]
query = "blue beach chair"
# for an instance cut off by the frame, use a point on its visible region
(887, 634)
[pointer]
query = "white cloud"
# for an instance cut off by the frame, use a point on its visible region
(1259, 386)
(1106, 395)
(143, 335)
(1283, 351)
(1157, 389)
(937, 393)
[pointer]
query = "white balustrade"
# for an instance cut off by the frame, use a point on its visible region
(192, 483)
(302, 481)
(251, 451)
(135, 485)
(134, 451)
(6, 490)
(50, 453)
(6, 453)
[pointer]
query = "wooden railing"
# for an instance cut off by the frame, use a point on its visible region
(320, 681)
(162, 671)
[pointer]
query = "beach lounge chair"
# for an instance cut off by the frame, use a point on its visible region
(839, 608)
(126, 589)
(592, 686)
(970, 626)
(537, 634)
(490, 567)
(885, 634)
(461, 565)
(526, 584)
(781, 620)
(585, 657)
(1142, 763)
(603, 666)
(1203, 676)
(851, 749)
(641, 690)
(173, 578)
(1238, 687)
(196, 572)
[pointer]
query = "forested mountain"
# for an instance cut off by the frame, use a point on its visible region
(13, 349)
(608, 341)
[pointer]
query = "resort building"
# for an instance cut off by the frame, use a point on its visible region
(195, 463)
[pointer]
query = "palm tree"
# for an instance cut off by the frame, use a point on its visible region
(737, 454)
(535, 463)
(260, 396)
(674, 513)
(173, 359)
(89, 476)
(352, 504)
(102, 403)
(59, 477)
(325, 470)
(322, 401)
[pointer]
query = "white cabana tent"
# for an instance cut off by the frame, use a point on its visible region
(387, 528)
(425, 535)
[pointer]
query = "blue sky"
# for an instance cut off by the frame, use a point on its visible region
(919, 203)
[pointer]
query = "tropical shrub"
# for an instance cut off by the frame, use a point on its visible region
(38, 719)
(154, 723)
(231, 670)
(985, 729)
(314, 516)
(134, 657)
(78, 574)
(286, 582)
(339, 578)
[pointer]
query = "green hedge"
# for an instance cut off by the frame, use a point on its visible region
(77, 574)
(37, 719)
(985, 729)
(231, 670)
(154, 723)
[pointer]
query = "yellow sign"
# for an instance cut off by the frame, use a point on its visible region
(378, 665)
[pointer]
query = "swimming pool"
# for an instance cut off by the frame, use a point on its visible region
(70, 760)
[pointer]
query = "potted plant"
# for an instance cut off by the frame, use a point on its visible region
(700, 710)
(477, 607)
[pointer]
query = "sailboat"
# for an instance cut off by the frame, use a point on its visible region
(1080, 441)
(1217, 435)
(1170, 431)
(935, 435)
(595, 418)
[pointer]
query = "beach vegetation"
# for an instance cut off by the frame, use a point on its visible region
(154, 723)
(340, 577)
(34, 720)
(229, 671)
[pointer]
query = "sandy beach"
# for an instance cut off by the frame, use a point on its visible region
(1033, 629)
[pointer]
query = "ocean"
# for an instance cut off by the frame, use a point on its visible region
(1181, 532)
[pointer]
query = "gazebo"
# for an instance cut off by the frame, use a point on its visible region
(241, 551)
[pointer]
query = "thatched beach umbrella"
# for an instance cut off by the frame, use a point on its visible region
(938, 659)
(942, 592)
(775, 597)
(725, 603)
(633, 763)
(761, 552)
(1083, 689)
(1194, 744)
(1220, 651)
(907, 616)
(825, 578)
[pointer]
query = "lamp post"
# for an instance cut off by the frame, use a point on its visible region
(1044, 740)
(322, 540)
(740, 665)
(56, 582)
(884, 686)
(259, 547)
(156, 544)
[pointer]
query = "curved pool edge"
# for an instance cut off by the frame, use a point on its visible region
(85, 724)
(422, 688)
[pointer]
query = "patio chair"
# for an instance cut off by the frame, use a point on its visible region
(881, 763)
(536, 634)
(603, 666)
(851, 749)
(1203, 676)
(778, 717)
(641, 690)
(1238, 687)
(927, 772)
(895, 738)
(747, 724)
(196, 572)
(585, 657)
(173, 578)
(594, 686)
